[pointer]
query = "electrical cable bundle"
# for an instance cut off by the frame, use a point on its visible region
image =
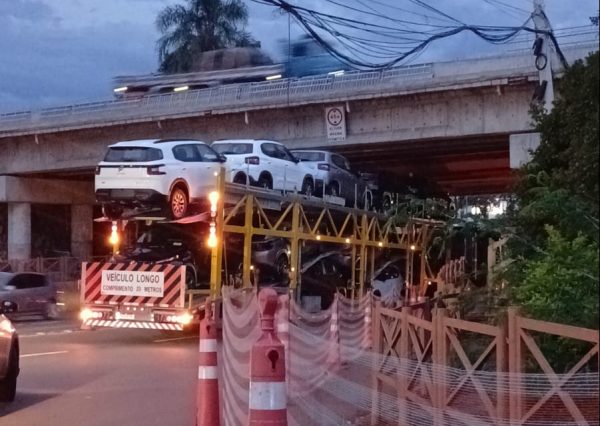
(364, 34)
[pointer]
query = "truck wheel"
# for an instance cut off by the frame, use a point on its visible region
(8, 386)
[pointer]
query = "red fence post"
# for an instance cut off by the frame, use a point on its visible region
(515, 365)
(335, 357)
(368, 334)
(268, 398)
(207, 407)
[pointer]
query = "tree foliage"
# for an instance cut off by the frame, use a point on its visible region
(200, 26)
(555, 239)
(562, 284)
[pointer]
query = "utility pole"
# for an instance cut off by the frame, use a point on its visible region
(542, 52)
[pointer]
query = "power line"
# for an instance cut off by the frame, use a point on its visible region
(359, 39)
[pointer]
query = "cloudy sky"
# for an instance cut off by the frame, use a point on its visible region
(59, 52)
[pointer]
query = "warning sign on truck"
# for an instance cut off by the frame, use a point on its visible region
(133, 283)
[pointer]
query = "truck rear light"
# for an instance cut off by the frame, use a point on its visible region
(252, 160)
(155, 170)
(323, 166)
(87, 314)
(98, 169)
(185, 318)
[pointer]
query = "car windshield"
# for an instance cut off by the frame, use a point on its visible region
(132, 154)
(232, 148)
(309, 155)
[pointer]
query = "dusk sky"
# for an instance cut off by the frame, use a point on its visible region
(59, 52)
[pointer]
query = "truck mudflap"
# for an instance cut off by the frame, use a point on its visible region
(134, 295)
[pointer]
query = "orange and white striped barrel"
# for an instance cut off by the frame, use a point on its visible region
(207, 410)
(268, 393)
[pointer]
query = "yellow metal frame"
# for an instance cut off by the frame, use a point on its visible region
(309, 219)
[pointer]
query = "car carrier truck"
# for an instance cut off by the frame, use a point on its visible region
(150, 283)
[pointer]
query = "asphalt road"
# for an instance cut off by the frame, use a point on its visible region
(102, 377)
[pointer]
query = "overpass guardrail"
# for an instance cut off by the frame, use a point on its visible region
(245, 96)
(204, 100)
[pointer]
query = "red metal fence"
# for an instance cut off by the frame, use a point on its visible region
(451, 371)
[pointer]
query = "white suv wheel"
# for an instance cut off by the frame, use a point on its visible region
(178, 203)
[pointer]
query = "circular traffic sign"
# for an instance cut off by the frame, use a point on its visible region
(334, 116)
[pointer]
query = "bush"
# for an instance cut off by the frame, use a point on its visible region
(562, 284)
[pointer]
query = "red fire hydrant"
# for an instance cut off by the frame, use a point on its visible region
(268, 398)
(207, 407)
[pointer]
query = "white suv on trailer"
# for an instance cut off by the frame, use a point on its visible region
(154, 172)
(264, 163)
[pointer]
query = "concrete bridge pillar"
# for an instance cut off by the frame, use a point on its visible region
(19, 230)
(81, 230)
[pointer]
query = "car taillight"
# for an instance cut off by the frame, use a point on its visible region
(155, 170)
(98, 169)
(252, 160)
(323, 166)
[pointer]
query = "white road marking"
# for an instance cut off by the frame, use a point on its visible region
(49, 333)
(43, 354)
(174, 338)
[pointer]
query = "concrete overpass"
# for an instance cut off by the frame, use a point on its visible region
(448, 121)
